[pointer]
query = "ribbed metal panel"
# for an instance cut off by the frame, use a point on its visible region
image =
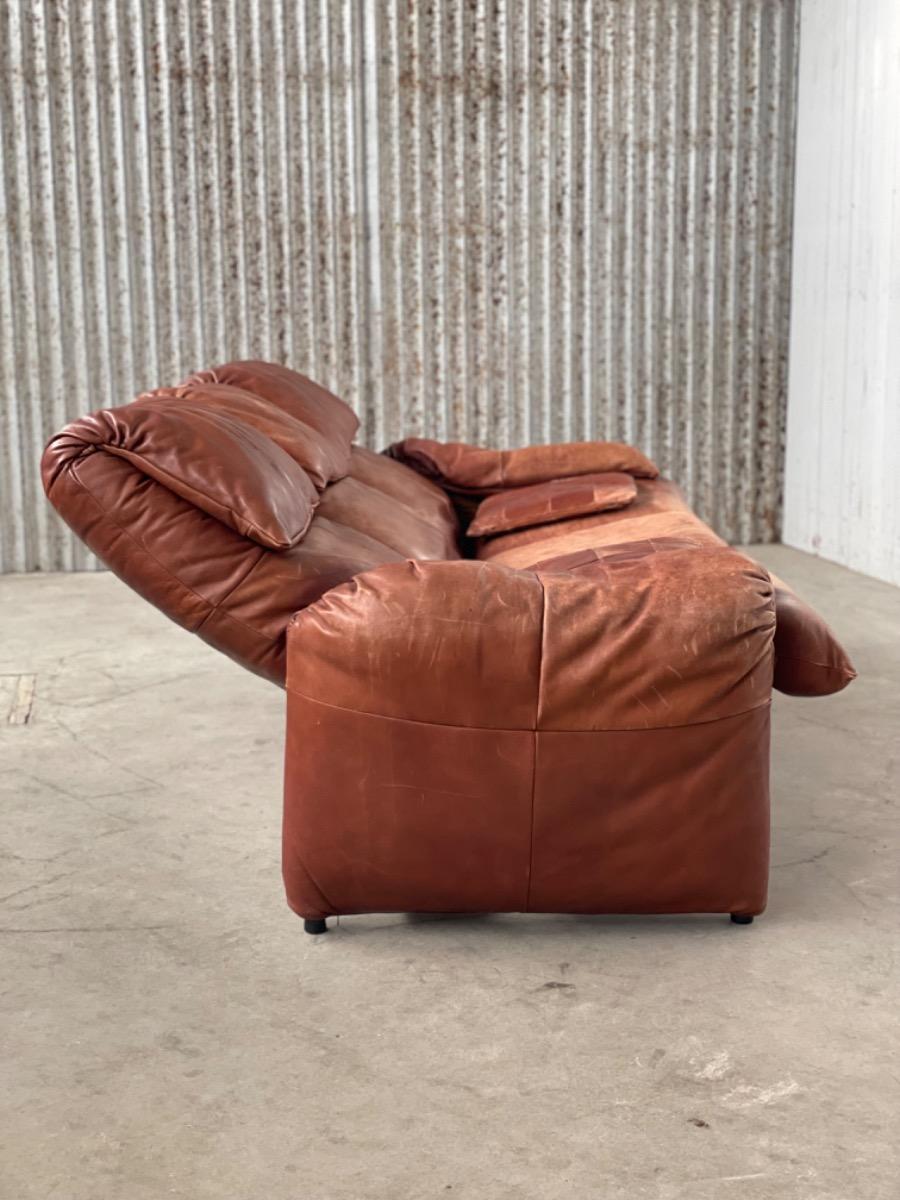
(496, 221)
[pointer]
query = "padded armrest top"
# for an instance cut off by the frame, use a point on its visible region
(459, 467)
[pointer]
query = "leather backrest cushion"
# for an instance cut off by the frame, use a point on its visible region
(809, 660)
(235, 594)
(323, 458)
(301, 398)
(220, 464)
(364, 508)
(542, 503)
(460, 467)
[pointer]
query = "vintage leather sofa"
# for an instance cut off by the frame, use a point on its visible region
(567, 713)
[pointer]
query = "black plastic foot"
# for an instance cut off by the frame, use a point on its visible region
(741, 919)
(319, 926)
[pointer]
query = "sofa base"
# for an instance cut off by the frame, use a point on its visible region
(390, 815)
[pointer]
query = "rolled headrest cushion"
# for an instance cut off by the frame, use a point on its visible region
(222, 465)
(809, 660)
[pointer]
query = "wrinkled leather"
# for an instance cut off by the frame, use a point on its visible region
(612, 644)
(462, 468)
(606, 754)
(575, 719)
(216, 462)
(555, 500)
(235, 592)
(293, 393)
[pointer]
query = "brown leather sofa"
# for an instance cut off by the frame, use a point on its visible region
(521, 680)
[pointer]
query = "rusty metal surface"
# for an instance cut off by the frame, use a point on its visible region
(501, 222)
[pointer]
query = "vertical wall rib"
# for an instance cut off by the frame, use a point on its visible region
(499, 222)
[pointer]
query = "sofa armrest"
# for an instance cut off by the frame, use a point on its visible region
(449, 643)
(646, 640)
(463, 736)
(809, 660)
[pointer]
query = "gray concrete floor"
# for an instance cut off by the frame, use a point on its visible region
(170, 1031)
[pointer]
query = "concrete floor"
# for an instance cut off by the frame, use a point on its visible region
(170, 1031)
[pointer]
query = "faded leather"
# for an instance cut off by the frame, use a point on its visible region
(236, 593)
(462, 468)
(575, 718)
(554, 500)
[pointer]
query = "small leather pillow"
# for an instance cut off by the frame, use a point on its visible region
(458, 467)
(555, 500)
(224, 467)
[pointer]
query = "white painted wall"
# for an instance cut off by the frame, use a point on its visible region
(842, 478)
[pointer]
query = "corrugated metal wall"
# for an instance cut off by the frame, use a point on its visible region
(497, 221)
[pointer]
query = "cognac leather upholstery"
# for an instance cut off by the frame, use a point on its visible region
(543, 503)
(570, 716)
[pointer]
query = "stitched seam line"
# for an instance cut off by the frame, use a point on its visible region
(326, 906)
(534, 742)
(361, 712)
(811, 662)
(243, 579)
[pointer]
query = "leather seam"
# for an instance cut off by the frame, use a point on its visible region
(361, 712)
(407, 507)
(327, 907)
(243, 579)
(534, 742)
(811, 662)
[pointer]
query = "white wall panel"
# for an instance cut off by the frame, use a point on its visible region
(842, 492)
(502, 221)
